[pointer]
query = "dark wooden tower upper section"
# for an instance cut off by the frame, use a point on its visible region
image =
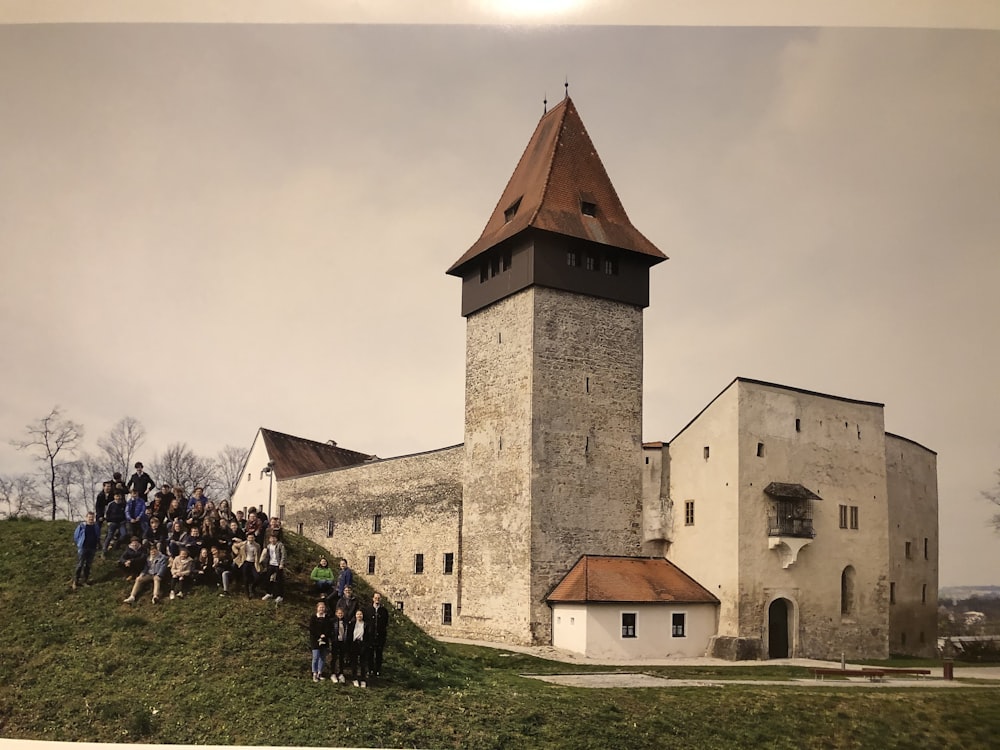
(559, 224)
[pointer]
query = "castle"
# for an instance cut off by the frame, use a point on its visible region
(806, 528)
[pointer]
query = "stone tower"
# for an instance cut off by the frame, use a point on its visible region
(553, 293)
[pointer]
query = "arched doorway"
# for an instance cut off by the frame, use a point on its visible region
(778, 618)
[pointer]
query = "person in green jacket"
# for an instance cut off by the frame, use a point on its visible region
(322, 577)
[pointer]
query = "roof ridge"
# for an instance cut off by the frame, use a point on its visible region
(564, 105)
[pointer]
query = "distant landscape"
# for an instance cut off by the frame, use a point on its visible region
(83, 666)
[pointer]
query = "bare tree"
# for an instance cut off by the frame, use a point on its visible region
(119, 446)
(68, 480)
(229, 465)
(993, 496)
(51, 436)
(180, 465)
(20, 493)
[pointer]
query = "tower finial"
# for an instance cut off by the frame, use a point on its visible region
(566, 85)
(545, 104)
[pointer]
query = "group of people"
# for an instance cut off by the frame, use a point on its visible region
(344, 632)
(176, 542)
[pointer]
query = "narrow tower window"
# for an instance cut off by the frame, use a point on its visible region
(847, 591)
(706, 452)
(798, 425)
(760, 450)
(371, 564)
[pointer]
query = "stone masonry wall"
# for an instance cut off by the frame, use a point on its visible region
(418, 499)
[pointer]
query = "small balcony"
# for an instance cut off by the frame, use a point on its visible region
(798, 527)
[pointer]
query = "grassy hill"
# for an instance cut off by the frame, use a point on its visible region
(84, 666)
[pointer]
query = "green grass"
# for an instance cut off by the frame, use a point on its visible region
(82, 666)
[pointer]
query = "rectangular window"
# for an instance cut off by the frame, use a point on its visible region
(798, 425)
(923, 593)
(854, 516)
(494, 266)
(484, 272)
(505, 261)
(843, 516)
(371, 564)
(705, 452)
(281, 512)
(677, 624)
(449, 563)
(591, 262)
(301, 528)
(377, 524)
(611, 266)
(572, 259)
(689, 512)
(925, 548)
(446, 613)
(628, 624)
(908, 550)
(892, 592)
(588, 209)
(760, 450)
(329, 527)
(399, 606)
(418, 563)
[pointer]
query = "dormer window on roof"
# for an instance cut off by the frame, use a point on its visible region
(511, 210)
(588, 209)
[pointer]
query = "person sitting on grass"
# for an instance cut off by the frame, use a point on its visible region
(322, 577)
(155, 570)
(133, 559)
(222, 568)
(88, 538)
(182, 569)
(203, 573)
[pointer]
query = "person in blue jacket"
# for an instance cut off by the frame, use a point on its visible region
(88, 538)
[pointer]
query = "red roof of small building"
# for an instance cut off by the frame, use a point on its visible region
(295, 456)
(558, 172)
(603, 578)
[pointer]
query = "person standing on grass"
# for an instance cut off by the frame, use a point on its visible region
(156, 570)
(319, 640)
(340, 645)
(349, 603)
(105, 496)
(246, 552)
(274, 558)
(360, 643)
(88, 538)
(141, 482)
(380, 623)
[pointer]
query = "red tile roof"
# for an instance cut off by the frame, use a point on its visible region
(599, 578)
(294, 456)
(558, 171)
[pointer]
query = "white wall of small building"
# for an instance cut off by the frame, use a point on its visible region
(595, 630)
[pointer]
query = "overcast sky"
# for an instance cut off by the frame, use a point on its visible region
(213, 228)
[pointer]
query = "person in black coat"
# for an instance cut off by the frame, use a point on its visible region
(361, 636)
(380, 621)
(319, 640)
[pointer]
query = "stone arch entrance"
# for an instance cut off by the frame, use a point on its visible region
(779, 629)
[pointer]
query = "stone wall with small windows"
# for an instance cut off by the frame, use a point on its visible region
(911, 471)
(393, 510)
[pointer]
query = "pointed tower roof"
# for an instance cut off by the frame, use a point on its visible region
(560, 185)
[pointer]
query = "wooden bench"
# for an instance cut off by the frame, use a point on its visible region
(899, 670)
(873, 675)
